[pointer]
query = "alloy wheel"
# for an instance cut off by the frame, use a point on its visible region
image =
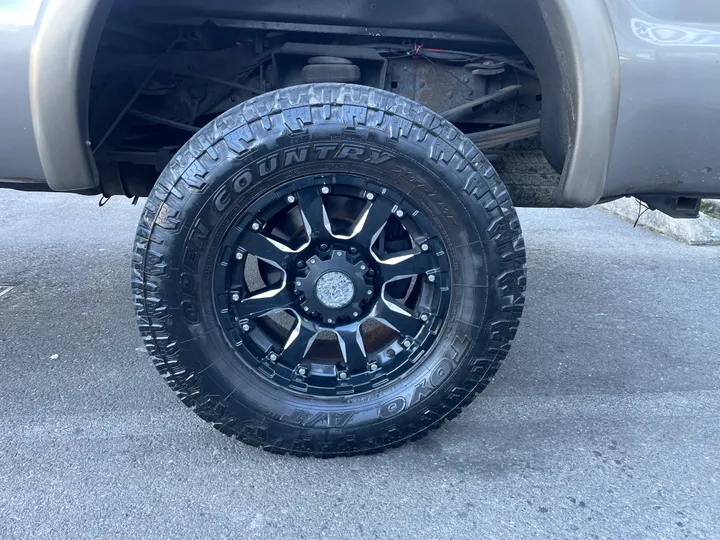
(332, 285)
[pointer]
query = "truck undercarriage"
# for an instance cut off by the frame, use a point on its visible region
(155, 84)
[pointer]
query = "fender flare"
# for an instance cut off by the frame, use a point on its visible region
(67, 34)
(587, 52)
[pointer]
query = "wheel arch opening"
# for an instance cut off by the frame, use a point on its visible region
(543, 30)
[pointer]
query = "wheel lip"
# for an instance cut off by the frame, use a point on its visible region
(228, 328)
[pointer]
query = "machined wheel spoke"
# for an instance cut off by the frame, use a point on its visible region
(372, 221)
(299, 341)
(267, 249)
(403, 265)
(264, 302)
(313, 212)
(396, 316)
(352, 347)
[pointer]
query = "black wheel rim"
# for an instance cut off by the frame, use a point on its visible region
(332, 285)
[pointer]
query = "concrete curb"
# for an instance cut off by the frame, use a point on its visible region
(704, 231)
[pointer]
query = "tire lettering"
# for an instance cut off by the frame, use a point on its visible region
(199, 235)
(287, 158)
(377, 157)
(421, 391)
(187, 284)
(322, 150)
(191, 312)
(459, 343)
(321, 419)
(222, 199)
(298, 155)
(391, 408)
(341, 419)
(191, 259)
(317, 419)
(268, 165)
(241, 181)
(426, 387)
(441, 372)
(350, 151)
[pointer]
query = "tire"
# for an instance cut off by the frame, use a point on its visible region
(528, 176)
(256, 149)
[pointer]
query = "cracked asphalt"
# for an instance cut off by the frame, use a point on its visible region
(603, 422)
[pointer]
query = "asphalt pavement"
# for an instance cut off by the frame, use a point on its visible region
(603, 422)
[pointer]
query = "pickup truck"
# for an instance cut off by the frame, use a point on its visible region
(329, 261)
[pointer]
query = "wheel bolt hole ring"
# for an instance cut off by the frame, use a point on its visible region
(310, 261)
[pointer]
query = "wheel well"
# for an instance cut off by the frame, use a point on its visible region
(140, 39)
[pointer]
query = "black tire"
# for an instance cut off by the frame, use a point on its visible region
(527, 175)
(396, 141)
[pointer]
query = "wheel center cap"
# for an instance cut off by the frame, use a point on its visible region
(334, 289)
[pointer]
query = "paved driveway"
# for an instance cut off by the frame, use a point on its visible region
(603, 423)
